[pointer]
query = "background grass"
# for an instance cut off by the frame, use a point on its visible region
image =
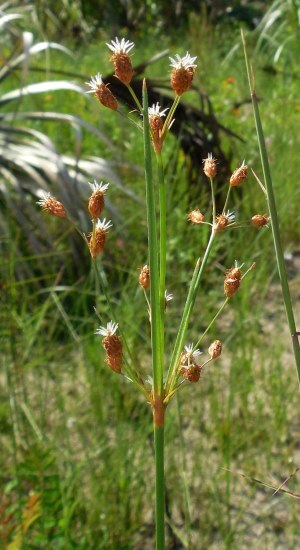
(77, 455)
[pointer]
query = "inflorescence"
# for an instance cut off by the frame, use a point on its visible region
(160, 120)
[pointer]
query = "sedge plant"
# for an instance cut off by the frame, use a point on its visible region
(172, 369)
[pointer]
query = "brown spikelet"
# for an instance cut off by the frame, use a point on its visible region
(210, 166)
(96, 204)
(238, 175)
(181, 79)
(195, 216)
(112, 344)
(221, 223)
(260, 220)
(114, 362)
(191, 373)
(156, 124)
(97, 242)
(215, 349)
(123, 67)
(105, 97)
(232, 281)
(231, 286)
(235, 273)
(113, 347)
(53, 206)
(144, 278)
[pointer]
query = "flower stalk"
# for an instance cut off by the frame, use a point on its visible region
(135, 98)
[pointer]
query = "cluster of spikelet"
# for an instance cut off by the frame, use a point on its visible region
(190, 364)
(97, 238)
(181, 78)
(112, 345)
(226, 219)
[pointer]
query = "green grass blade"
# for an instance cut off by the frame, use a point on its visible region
(273, 216)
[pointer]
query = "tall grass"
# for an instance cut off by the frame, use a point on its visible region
(244, 418)
(81, 448)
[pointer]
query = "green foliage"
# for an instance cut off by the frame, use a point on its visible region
(278, 33)
(83, 441)
(31, 161)
(70, 435)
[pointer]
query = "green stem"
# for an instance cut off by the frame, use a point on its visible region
(213, 200)
(188, 308)
(153, 256)
(182, 329)
(227, 199)
(211, 323)
(159, 487)
(163, 244)
(140, 108)
(169, 116)
(156, 331)
(274, 218)
(174, 390)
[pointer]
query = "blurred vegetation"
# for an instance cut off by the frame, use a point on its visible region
(76, 460)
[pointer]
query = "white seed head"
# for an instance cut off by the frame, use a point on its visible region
(45, 197)
(95, 83)
(109, 330)
(230, 216)
(103, 224)
(155, 110)
(185, 62)
(120, 46)
(192, 355)
(99, 186)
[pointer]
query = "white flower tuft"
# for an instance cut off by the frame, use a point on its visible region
(45, 197)
(99, 186)
(104, 225)
(120, 46)
(192, 355)
(230, 216)
(237, 266)
(109, 330)
(185, 62)
(155, 110)
(95, 83)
